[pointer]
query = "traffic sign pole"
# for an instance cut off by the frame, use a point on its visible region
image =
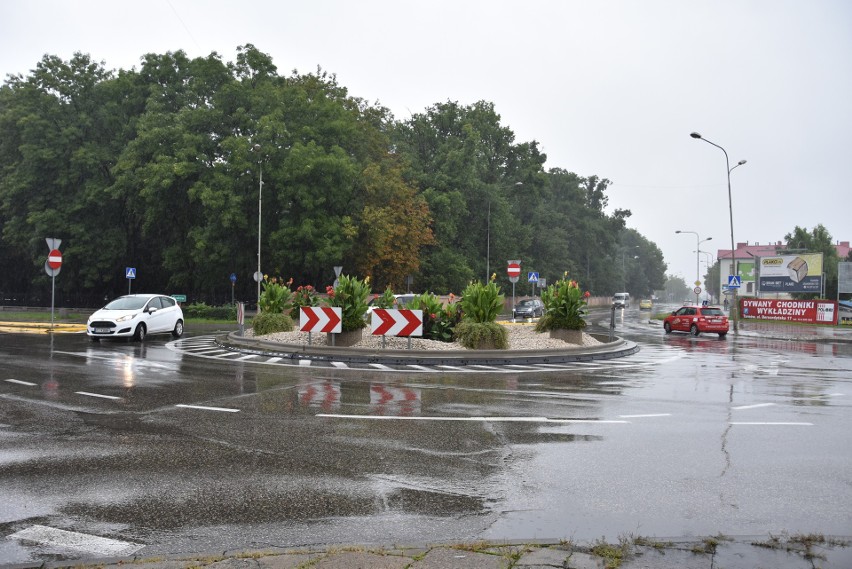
(52, 266)
(514, 271)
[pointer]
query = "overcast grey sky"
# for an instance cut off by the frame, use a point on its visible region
(608, 88)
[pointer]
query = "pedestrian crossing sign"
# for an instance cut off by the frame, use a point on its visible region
(735, 281)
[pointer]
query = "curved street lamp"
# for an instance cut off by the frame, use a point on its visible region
(734, 304)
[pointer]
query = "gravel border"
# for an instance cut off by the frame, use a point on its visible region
(521, 337)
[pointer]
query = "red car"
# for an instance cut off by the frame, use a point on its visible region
(697, 319)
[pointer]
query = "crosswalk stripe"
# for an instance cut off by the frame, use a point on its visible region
(76, 541)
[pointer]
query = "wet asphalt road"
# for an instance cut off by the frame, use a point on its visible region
(175, 452)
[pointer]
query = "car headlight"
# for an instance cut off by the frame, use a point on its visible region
(126, 317)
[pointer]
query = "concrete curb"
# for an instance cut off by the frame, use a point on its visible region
(609, 350)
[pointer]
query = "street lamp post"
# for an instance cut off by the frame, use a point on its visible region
(711, 261)
(733, 272)
(698, 242)
(258, 274)
(624, 269)
(488, 245)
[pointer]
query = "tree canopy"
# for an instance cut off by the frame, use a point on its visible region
(160, 168)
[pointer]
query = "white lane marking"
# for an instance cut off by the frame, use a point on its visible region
(19, 382)
(273, 360)
(778, 424)
(87, 394)
(483, 366)
(76, 541)
(454, 368)
(203, 408)
(756, 406)
(340, 365)
(474, 419)
(248, 357)
(645, 416)
(302, 363)
(229, 354)
(208, 351)
(420, 367)
(380, 366)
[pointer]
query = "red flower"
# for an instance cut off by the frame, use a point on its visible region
(432, 316)
(587, 294)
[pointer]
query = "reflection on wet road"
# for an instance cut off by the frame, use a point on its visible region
(177, 452)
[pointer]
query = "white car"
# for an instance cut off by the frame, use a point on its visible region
(136, 316)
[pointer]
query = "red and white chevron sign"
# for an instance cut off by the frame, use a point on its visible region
(321, 319)
(392, 322)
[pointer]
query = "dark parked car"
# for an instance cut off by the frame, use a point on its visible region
(697, 319)
(529, 308)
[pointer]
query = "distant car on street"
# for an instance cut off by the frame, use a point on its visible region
(645, 304)
(621, 300)
(529, 308)
(136, 316)
(697, 319)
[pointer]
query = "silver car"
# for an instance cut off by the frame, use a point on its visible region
(136, 316)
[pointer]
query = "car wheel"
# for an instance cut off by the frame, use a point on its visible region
(722, 335)
(140, 333)
(694, 330)
(667, 327)
(178, 331)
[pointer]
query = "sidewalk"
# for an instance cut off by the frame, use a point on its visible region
(785, 552)
(802, 332)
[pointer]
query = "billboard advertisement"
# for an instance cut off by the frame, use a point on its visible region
(844, 316)
(791, 273)
(807, 311)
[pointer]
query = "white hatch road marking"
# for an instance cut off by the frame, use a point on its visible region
(19, 382)
(779, 424)
(87, 394)
(645, 416)
(474, 419)
(206, 347)
(248, 357)
(381, 366)
(77, 541)
(756, 406)
(302, 363)
(203, 408)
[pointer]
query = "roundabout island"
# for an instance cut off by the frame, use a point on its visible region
(526, 347)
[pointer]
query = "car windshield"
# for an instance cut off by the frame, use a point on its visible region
(127, 303)
(712, 312)
(526, 303)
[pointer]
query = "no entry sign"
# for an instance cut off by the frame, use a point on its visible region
(54, 259)
(514, 270)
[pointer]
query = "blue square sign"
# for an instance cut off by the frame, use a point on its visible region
(735, 281)
(532, 277)
(130, 272)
